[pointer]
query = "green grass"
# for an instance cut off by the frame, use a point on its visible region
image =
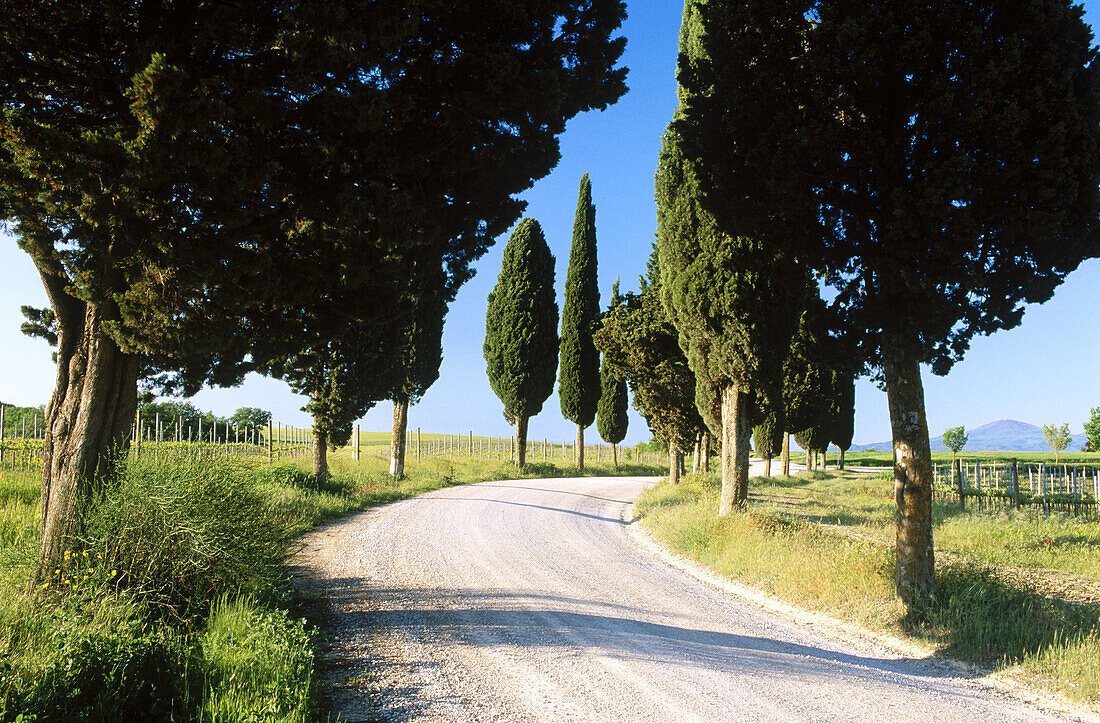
(884, 458)
(177, 605)
(781, 543)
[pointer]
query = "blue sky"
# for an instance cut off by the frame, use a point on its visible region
(1047, 370)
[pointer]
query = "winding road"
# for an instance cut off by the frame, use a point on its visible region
(535, 600)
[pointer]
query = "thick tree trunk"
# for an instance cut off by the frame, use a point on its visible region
(767, 466)
(786, 454)
(912, 474)
(320, 455)
(87, 421)
(520, 456)
(704, 445)
(673, 463)
(840, 461)
(579, 449)
(397, 436)
(736, 438)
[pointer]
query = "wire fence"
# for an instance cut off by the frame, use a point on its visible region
(1069, 488)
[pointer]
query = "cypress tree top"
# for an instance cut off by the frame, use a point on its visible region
(611, 418)
(521, 324)
(579, 374)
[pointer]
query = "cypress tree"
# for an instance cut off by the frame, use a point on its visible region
(611, 418)
(843, 425)
(767, 436)
(955, 156)
(579, 370)
(734, 313)
(640, 344)
(521, 323)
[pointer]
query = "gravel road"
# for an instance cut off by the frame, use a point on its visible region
(534, 600)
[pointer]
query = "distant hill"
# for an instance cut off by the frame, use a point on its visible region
(1006, 435)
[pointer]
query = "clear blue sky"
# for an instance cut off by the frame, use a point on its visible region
(1046, 370)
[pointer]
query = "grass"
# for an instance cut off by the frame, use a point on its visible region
(788, 542)
(178, 605)
(884, 458)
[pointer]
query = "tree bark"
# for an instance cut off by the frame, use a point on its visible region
(786, 454)
(912, 473)
(695, 453)
(615, 456)
(397, 436)
(736, 439)
(579, 450)
(673, 463)
(320, 455)
(520, 456)
(959, 483)
(704, 446)
(840, 461)
(767, 466)
(87, 421)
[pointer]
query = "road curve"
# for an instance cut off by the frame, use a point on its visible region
(532, 601)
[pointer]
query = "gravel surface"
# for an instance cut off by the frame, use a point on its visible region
(535, 600)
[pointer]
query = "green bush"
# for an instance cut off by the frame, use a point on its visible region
(181, 533)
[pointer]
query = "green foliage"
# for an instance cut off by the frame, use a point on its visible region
(734, 313)
(955, 439)
(808, 389)
(18, 418)
(257, 659)
(930, 244)
(1092, 430)
(521, 339)
(579, 386)
(250, 417)
(767, 437)
(842, 424)
(181, 533)
(39, 324)
(640, 344)
(611, 418)
(1057, 438)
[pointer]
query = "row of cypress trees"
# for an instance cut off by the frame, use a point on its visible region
(936, 165)
(523, 352)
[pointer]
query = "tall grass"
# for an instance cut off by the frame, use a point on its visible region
(776, 545)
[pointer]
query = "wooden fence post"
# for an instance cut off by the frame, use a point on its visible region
(357, 452)
(270, 442)
(1015, 484)
(418, 442)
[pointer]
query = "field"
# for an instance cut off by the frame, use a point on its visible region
(1017, 591)
(178, 606)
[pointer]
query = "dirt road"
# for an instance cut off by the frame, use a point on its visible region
(533, 601)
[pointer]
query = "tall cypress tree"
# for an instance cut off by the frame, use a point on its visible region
(579, 371)
(843, 425)
(734, 313)
(640, 343)
(938, 161)
(521, 330)
(611, 418)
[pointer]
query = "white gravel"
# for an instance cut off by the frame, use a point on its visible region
(533, 601)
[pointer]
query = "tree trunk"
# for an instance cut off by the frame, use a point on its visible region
(397, 436)
(579, 450)
(87, 421)
(912, 473)
(520, 456)
(615, 456)
(673, 463)
(320, 455)
(736, 438)
(695, 453)
(704, 445)
(959, 483)
(785, 457)
(767, 466)
(840, 461)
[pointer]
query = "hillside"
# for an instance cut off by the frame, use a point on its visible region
(1005, 435)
